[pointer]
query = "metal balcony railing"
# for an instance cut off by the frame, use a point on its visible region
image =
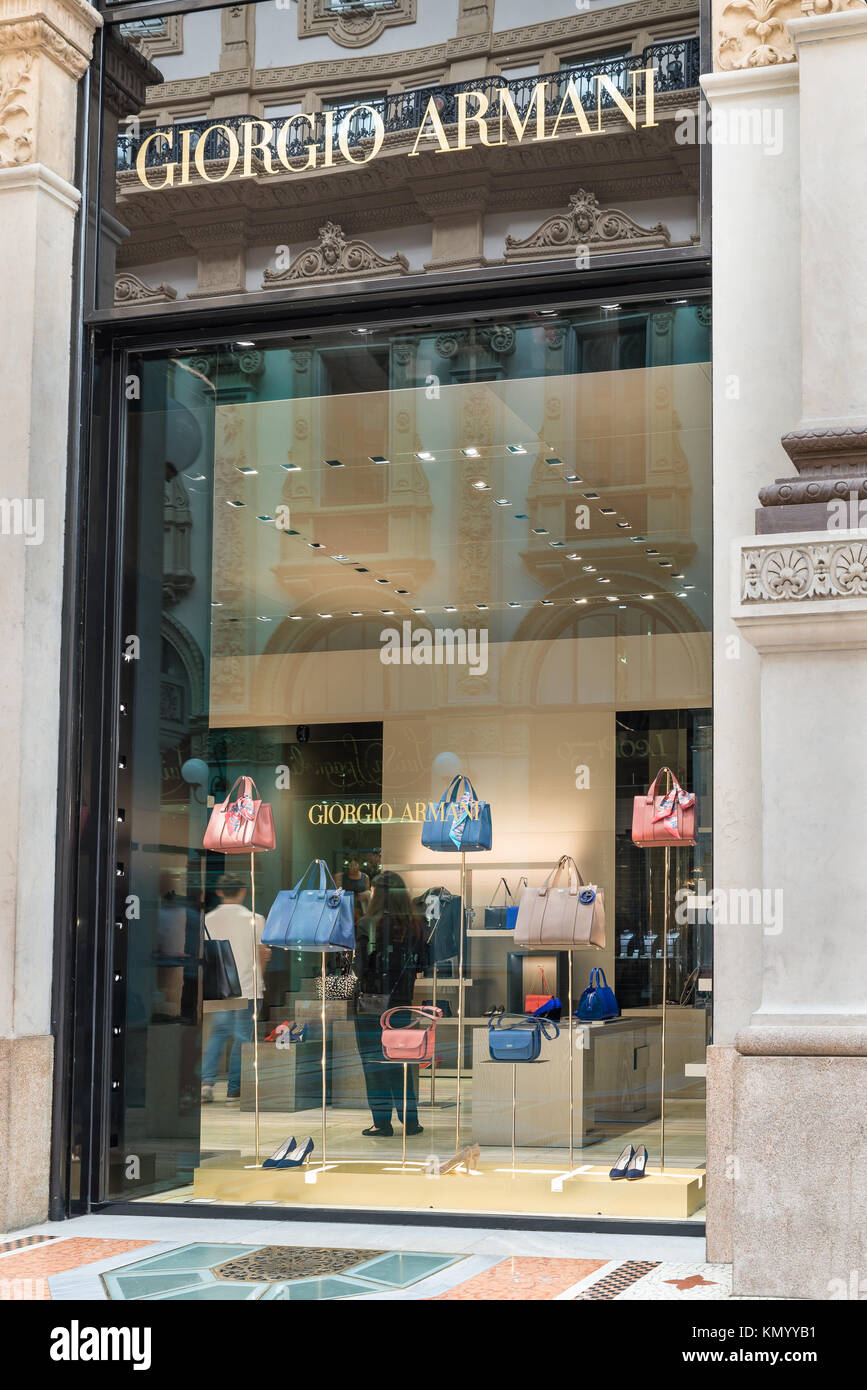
(676, 63)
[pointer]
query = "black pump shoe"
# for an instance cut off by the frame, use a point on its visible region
(621, 1167)
(638, 1164)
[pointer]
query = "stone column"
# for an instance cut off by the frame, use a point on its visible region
(798, 1077)
(44, 50)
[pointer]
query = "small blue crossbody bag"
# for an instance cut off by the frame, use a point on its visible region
(518, 1041)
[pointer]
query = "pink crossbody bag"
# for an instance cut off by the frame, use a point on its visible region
(412, 1044)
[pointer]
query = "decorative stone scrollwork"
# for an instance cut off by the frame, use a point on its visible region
(586, 224)
(825, 570)
(129, 289)
(335, 257)
(16, 109)
(755, 35)
(352, 26)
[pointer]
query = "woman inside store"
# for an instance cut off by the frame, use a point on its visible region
(388, 957)
(354, 880)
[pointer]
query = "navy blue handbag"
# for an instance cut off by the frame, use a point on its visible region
(597, 1003)
(458, 821)
(312, 919)
(520, 1041)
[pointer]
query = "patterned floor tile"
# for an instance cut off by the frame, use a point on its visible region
(520, 1278)
(619, 1280)
(675, 1282)
(276, 1263)
(22, 1241)
(40, 1261)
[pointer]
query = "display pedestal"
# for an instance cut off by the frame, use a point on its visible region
(676, 1194)
(514, 1067)
(405, 1065)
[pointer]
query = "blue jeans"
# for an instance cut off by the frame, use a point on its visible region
(233, 1026)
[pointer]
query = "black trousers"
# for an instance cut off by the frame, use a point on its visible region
(384, 1080)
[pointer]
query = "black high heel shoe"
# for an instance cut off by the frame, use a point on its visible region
(280, 1153)
(638, 1164)
(292, 1158)
(621, 1167)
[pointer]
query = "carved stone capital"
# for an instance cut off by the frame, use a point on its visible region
(62, 30)
(753, 33)
(334, 258)
(586, 224)
(803, 592)
(831, 459)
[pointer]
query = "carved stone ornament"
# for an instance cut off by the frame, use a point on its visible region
(586, 224)
(831, 460)
(17, 101)
(352, 26)
(824, 570)
(752, 33)
(129, 289)
(335, 258)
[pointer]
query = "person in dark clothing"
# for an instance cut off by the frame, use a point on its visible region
(389, 954)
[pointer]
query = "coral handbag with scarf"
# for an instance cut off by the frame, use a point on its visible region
(414, 1043)
(242, 825)
(663, 820)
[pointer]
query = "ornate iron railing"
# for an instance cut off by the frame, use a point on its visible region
(676, 63)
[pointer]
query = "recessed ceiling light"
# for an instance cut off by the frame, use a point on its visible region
(521, 516)
(612, 598)
(235, 504)
(579, 600)
(665, 564)
(591, 496)
(591, 569)
(419, 610)
(401, 591)
(516, 449)
(360, 569)
(245, 343)
(263, 517)
(481, 486)
(556, 545)
(607, 511)
(316, 545)
(361, 331)
(572, 478)
(622, 605)
(638, 538)
(573, 556)
(470, 453)
(546, 602)
(554, 462)
(602, 580)
(335, 463)
(261, 618)
(449, 608)
(512, 604)
(681, 594)
(482, 607)
(291, 467)
(244, 469)
(648, 596)
(323, 615)
(677, 301)
(650, 551)
(196, 478)
(389, 612)
(377, 458)
(355, 613)
(678, 576)
(426, 456)
(502, 502)
(216, 603)
(540, 531)
(689, 586)
(295, 617)
(625, 525)
(340, 557)
(381, 581)
(609, 308)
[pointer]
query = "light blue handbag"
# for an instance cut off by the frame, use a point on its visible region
(458, 821)
(520, 1041)
(312, 919)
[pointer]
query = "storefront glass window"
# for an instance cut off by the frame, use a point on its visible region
(364, 565)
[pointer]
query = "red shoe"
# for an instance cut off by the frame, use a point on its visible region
(281, 1028)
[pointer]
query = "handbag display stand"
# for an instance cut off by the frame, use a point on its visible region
(540, 1062)
(388, 1063)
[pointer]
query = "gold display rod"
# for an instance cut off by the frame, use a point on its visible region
(460, 1057)
(433, 1060)
(323, 1061)
(665, 911)
(255, 1004)
(571, 1066)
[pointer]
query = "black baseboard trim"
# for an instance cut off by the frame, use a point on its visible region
(350, 1216)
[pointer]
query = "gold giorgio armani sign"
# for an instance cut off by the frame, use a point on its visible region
(383, 813)
(489, 122)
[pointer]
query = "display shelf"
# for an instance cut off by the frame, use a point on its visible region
(499, 931)
(451, 982)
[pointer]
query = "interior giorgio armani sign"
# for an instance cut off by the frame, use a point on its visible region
(255, 149)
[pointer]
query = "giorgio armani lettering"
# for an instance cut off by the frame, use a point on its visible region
(254, 149)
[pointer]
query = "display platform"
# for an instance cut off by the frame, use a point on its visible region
(493, 1187)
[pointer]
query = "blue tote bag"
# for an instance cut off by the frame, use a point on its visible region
(312, 919)
(458, 821)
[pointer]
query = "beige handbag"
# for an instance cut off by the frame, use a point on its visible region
(561, 919)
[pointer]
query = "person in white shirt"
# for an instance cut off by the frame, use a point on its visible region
(233, 1023)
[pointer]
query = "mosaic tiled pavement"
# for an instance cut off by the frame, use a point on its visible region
(92, 1269)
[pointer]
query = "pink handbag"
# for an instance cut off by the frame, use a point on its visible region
(242, 825)
(664, 820)
(412, 1044)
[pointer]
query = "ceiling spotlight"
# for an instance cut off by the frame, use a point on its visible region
(449, 608)
(377, 458)
(625, 525)
(516, 449)
(573, 556)
(540, 531)
(401, 591)
(648, 596)
(360, 332)
(511, 604)
(470, 453)
(591, 496)
(482, 486)
(591, 569)
(607, 511)
(340, 557)
(572, 478)
(678, 576)
(665, 564)
(291, 467)
(556, 545)
(245, 470)
(245, 343)
(381, 581)
(388, 612)
(426, 456)
(554, 463)
(681, 594)
(316, 545)
(547, 602)
(419, 610)
(360, 569)
(609, 308)
(603, 580)
(579, 600)
(622, 605)
(295, 617)
(260, 618)
(235, 504)
(334, 463)
(216, 603)
(263, 517)
(650, 551)
(323, 615)
(502, 502)
(689, 586)
(482, 607)
(355, 613)
(638, 538)
(612, 598)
